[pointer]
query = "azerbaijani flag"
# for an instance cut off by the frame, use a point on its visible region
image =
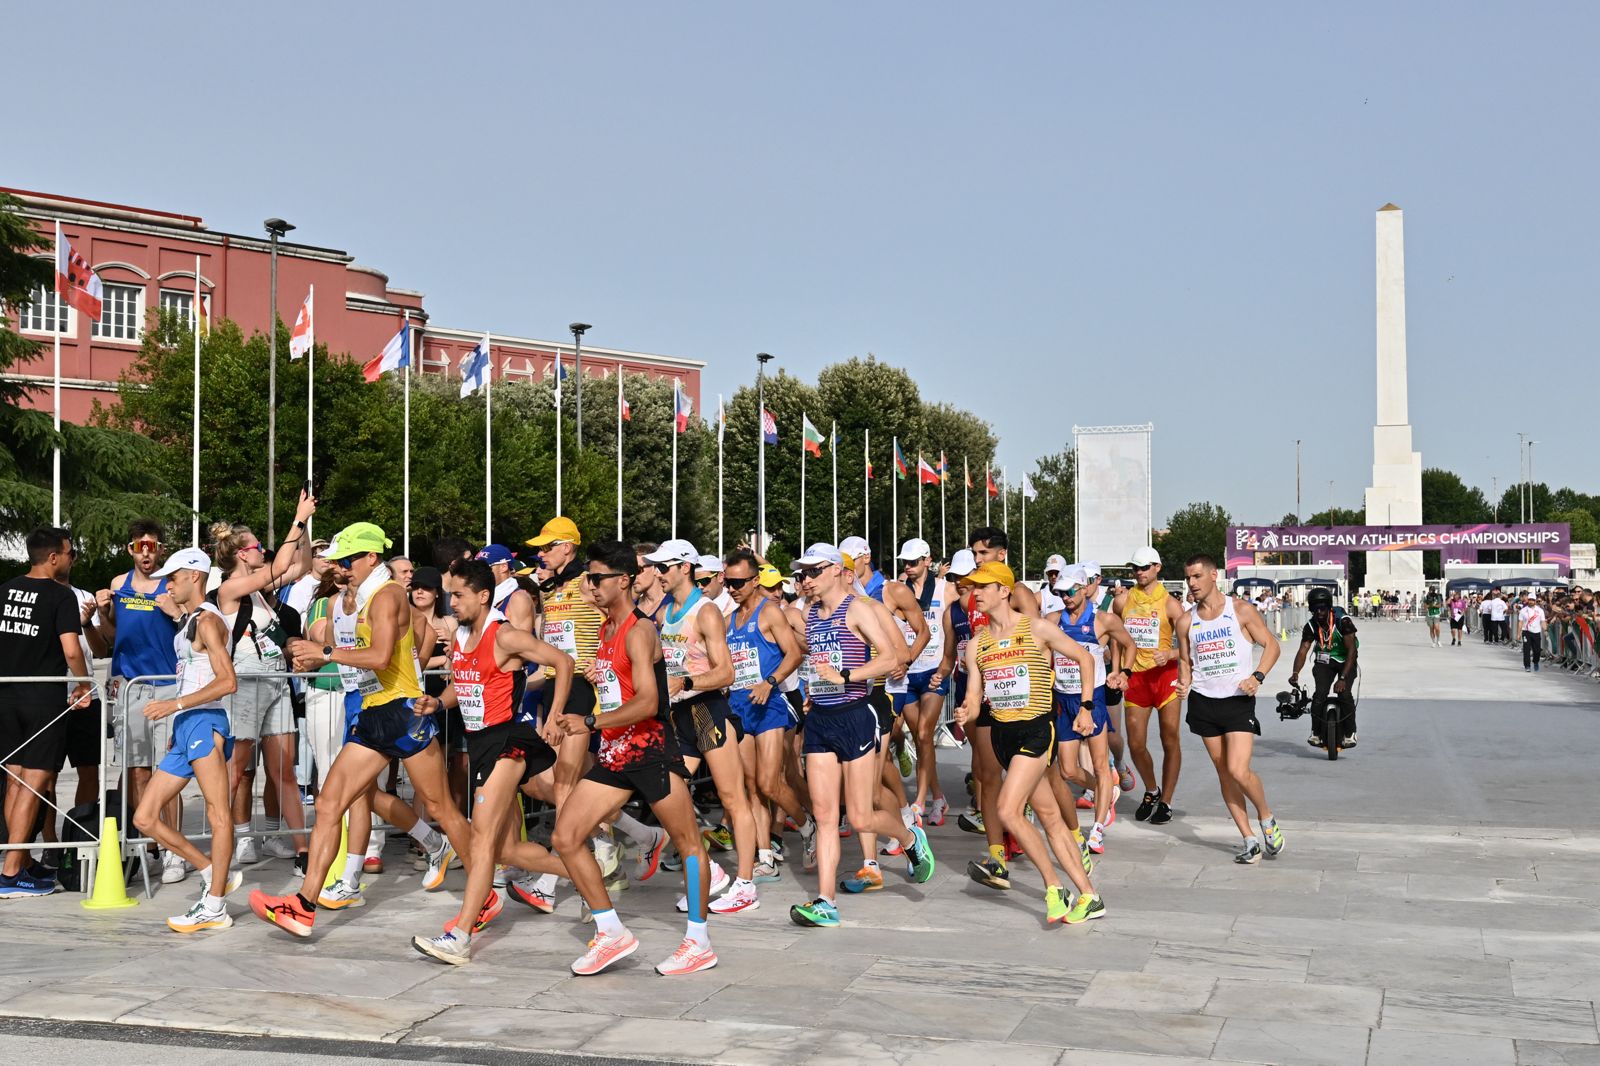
(926, 474)
(812, 436)
(395, 355)
(900, 467)
(681, 407)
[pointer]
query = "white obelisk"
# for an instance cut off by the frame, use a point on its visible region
(1395, 497)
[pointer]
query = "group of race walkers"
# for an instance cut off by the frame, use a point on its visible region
(590, 676)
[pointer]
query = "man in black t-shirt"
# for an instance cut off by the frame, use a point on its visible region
(39, 627)
(1331, 634)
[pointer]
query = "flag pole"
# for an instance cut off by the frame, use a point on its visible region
(405, 535)
(866, 484)
(803, 424)
(675, 387)
(558, 431)
(919, 495)
(55, 461)
(488, 442)
(944, 537)
(966, 500)
(619, 450)
(722, 431)
(194, 431)
(1005, 501)
(833, 445)
(311, 387)
(988, 497)
(1024, 527)
(894, 496)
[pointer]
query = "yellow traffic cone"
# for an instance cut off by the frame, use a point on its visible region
(110, 890)
(336, 871)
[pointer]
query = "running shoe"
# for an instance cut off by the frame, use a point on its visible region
(373, 864)
(717, 838)
(844, 828)
(650, 856)
(1088, 858)
(970, 822)
(245, 851)
(907, 760)
(919, 856)
(1315, 741)
(1161, 815)
(1147, 806)
(1055, 906)
(672, 863)
(1348, 742)
(777, 850)
(235, 879)
(990, 873)
(808, 842)
(819, 912)
(1085, 908)
(200, 917)
(173, 868)
(300, 863)
(766, 873)
(1249, 852)
(491, 910)
(937, 810)
(26, 884)
(449, 948)
(689, 958)
(527, 892)
(278, 848)
(341, 894)
(891, 846)
(285, 912)
(607, 854)
(1097, 841)
(867, 879)
(1111, 815)
(502, 874)
(604, 950)
(739, 898)
(1086, 801)
(1272, 840)
(1126, 778)
(719, 881)
(438, 863)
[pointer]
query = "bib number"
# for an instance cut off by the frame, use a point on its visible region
(833, 658)
(608, 693)
(746, 668)
(1007, 687)
(677, 657)
(1069, 678)
(562, 634)
(897, 688)
(470, 699)
(1145, 631)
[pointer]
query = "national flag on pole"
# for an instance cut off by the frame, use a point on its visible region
(900, 468)
(994, 490)
(300, 336)
(943, 468)
(813, 436)
(75, 282)
(202, 317)
(926, 474)
(395, 355)
(722, 419)
(871, 473)
(1028, 491)
(681, 407)
(967, 470)
(627, 408)
(475, 372)
(769, 427)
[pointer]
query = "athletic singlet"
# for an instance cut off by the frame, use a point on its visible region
(143, 644)
(486, 694)
(1144, 613)
(396, 679)
(571, 624)
(1219, 651)
(1015, 670)
(646, 739)
(874, 586)
(1068, 677)
(681, 646)
(833, 643)
(792, 682)
(932, 654)
(194, 669)
(754, 656)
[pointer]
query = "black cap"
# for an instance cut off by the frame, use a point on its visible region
(427, 577)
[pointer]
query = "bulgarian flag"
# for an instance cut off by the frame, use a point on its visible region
(926, 474)
(988, 475)
(813, 436)
(900, 467)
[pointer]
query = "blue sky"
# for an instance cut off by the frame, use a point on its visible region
(1051, 213)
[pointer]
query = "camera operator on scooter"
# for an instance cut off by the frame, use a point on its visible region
(1332, 634)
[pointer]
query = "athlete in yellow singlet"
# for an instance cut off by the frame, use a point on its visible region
(1010, 665)
(1151, 616)
(571, 624)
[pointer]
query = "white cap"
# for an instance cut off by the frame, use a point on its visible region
(962, 563)
(1091, 569)
(710, 564)
(1146, 557)
(674, 551)
(1072, 576)
(186, 559)
(855, 547)
(1056, 563)
(820, 553)
(915, 548)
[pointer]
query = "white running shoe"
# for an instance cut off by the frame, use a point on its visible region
(937, 811)
(235, 879)
(606, 853)
(173, 868)
(341, 894)
(200, 917)
(719, 881)
(739, 898)
(689, 958)
(449, 948)
(438, 863)
(245, 851)
(278, 848)
(503, 875)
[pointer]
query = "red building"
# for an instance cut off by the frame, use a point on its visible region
(146, 260)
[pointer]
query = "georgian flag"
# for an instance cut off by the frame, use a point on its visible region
(301, 336)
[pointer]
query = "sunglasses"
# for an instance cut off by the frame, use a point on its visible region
(810, 573)
(250, 547)
(594, 577)
(346, 563)
(703, 582)
(1073, 591)
(664, 567)
(143, 547)
(1142, 569)
(734, 584)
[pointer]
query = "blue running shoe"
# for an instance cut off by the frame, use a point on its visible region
(24, 885)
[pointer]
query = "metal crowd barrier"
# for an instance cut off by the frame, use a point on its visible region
(88, 846)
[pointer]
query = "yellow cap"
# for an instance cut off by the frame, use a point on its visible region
(556, 530)
(768, 577)
(849, 560)
(992, 573)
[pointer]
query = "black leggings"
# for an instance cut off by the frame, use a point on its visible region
(1532, 649)
(1324, 676)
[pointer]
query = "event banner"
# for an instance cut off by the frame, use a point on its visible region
(1458, 544)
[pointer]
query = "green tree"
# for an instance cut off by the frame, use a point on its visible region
(1447, 500)
(1199, 527)
(1585, 528)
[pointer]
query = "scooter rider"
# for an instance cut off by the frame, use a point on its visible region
(1332, 634)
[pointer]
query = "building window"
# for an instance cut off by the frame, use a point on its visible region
(120, 313)
(47, 313)
(180, 302)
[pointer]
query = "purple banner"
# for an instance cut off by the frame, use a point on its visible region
(1457, 544)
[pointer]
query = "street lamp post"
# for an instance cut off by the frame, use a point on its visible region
(1297, 482)
(762, 359)
(276, 229)
(578, 329)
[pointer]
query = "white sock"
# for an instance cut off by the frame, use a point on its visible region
(205, 875)
(764, 856)
(740, 882)
(213, 903)
(272, 825)
(607, 922)
(239, 831)
(908, 816)
(352, 870)
(547, 885)
(426, 836)
(697, 932)
(634, 829)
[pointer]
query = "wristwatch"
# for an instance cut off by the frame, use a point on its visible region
(771, 679)
(327, 653)
(588, 722)
(1259, 676)
(845, 673)
(688, 683)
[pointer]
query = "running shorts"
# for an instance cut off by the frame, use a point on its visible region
(651, 778)
(884, 706)
(849, 732)
(1035, 738)
(1067, 704)
(28, 736)
(1209, 716)
(508, 740)
(1457, 623)
(85, 741)
(1152, 689)
(776, 713)
(194, 736)
(797, 703)
(704, 724)
(391, 730)
(917, 684)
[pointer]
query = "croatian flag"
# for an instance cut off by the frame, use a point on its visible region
(681, 408)
(769, 427)
(75, 282)
(475, 371)
(395, 355)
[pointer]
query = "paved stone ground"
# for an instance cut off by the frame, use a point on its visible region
(1439, 901)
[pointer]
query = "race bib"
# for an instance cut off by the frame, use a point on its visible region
(676, 653)
(367, 683)
(470, 699)
(961, 655)
(1145, 630)
(897, 688)
(1007, 687)
(833, 657)
(1069, 678)
(608, 693)
(1323, 658)
(562, 634)
(746, 667)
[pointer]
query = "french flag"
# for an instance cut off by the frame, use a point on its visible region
(395, 354)
(681, 407)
